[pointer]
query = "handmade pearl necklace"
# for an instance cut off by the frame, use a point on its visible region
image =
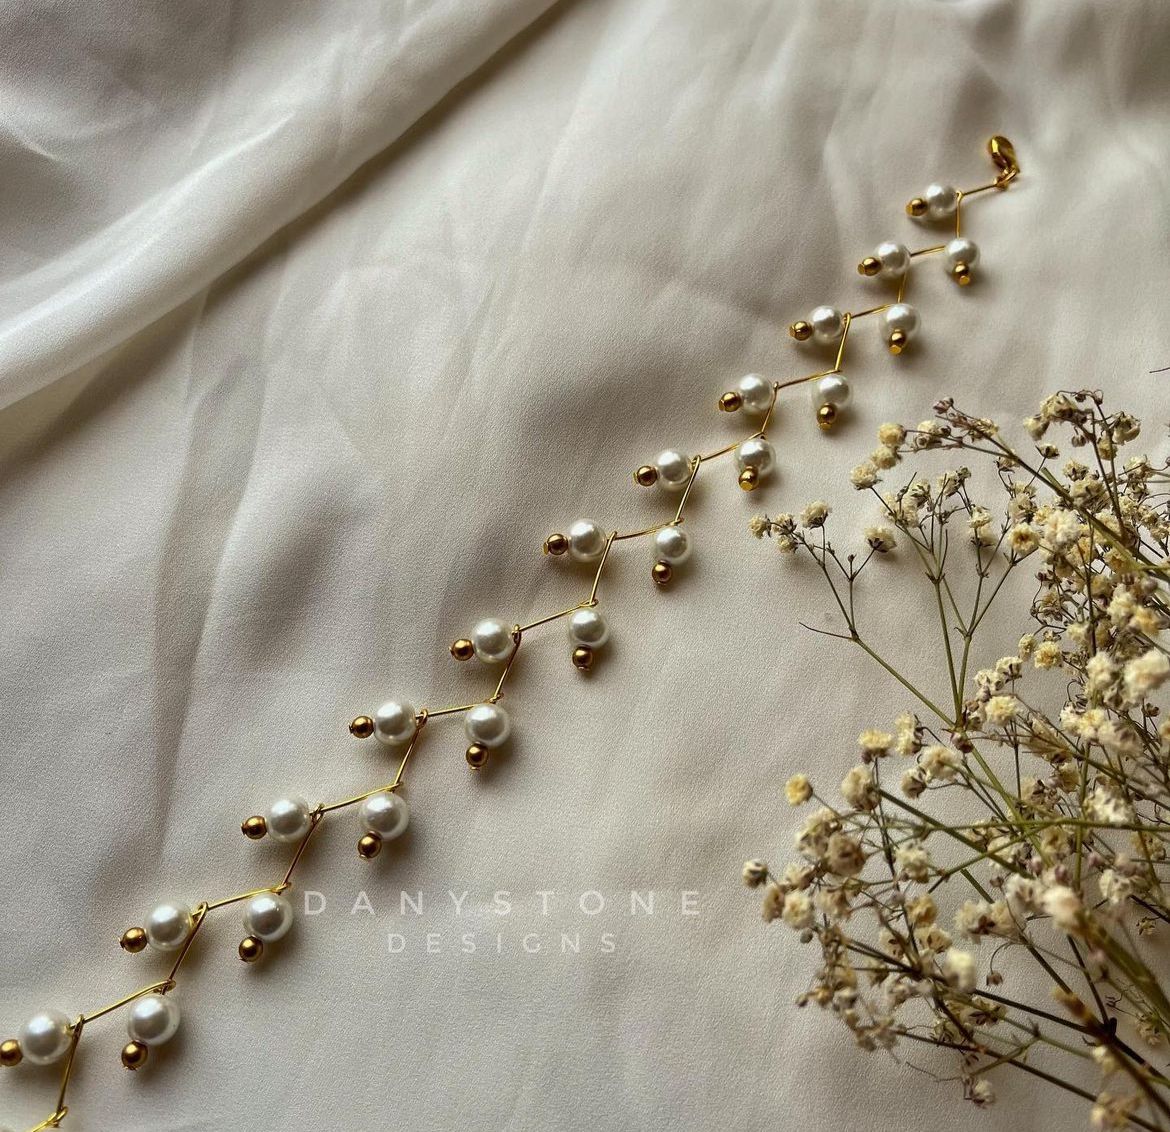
(152, 1013)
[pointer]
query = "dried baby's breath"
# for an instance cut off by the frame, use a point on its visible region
(1011, 830)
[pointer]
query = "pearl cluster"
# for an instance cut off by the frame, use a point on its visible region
(897, 325)
(383, 816)
(892, 261)
(941, 203)
(268, 914)
(898, 322)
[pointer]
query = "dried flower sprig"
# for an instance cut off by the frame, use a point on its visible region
(1000, 895)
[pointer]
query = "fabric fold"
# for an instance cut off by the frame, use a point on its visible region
(201, 177)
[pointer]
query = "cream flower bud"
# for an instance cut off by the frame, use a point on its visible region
(798, 790)
(755, 872)
(959, 970)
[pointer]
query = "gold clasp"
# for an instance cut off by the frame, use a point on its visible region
(1003, 153)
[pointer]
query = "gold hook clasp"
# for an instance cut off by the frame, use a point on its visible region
(1003, 153)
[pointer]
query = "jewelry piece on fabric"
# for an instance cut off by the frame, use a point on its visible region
(891, 261)
(171, 928)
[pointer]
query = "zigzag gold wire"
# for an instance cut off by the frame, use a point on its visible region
(1003, 155)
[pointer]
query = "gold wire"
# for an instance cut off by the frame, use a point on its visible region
(204, 908)
(649, 530)
(517, 637)
(600, 566)
(808, 377)
(93, 1015)
(198, 918)
(844, 339)
(423, 716)
(716, 454)
(687, 490)
(453, 710)
(355, 800)
(550, 617)
(225, 901)
(60, 1110)
(763, 429)
(314, 821)
(53, 1121)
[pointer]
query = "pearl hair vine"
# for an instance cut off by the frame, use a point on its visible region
(152, 1014)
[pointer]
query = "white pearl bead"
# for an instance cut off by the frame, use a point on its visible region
(900, 316)
(153, 1019)
(586, 541)
(168, 926)
(395, 723)
(832, 389)
(941, 201)
(828, 324)
(756, 393)
(587, 627)
(756, 453)
(488, 725)
(961, 250)
(268, 916)
(45, 1037)
(385, 814)
(674, 469)
(288, 819)
(671, 545)
(894, 258)
(492, 639)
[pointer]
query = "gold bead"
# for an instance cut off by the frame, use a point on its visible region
(251, 949)
(254, 828)
(134, 1055)
(869, 266)
(556, 544)
(369, 846)
(362, 727)
(961, 274)
(827, 417)
(731, 402)
(897, 342)
(463, 649)
(11, 1054)
(749, 478)
(477, 756)
(583, 657)
(646, 476)
(133, 940)
(917, 207)
(662, 573)
(800, 330)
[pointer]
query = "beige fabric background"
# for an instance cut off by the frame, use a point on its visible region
(314, 320)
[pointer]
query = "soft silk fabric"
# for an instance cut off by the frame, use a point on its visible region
(314, 320)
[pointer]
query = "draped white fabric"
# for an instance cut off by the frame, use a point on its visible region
(314, 320)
